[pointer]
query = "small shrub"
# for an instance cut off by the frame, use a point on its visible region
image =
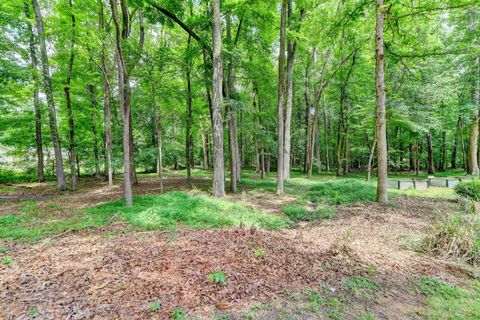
(155, 306)
(258, 252)
(178, 314)
(455, 236)
(217, 278)
(470, 189)
(429, 286)
(7, 260)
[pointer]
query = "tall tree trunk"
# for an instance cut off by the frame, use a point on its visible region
(107, 120)
(473, 148)
(291, 48)
(443, 162)
(204, 149)
(431, 165)
(381, 125)
(318, 161)
(93, 103)
(36, 99)
(281, 82)
(325, 134)
(52, 115)
(158, 127)
(68, 101)
(124, 106)
(308, 117)
(188, 134)
(231, 112)
(218, 161)
(455, 145)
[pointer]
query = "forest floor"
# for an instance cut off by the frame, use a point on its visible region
(61, 259)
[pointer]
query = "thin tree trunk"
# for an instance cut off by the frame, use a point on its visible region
(158, 127)
(188, 134)
(307, 119)
(281, 82)
(93, 104)
(370, 160)
(325, 134)
(125, 106)
(68, 101)
(204, 149)
(455, 145)
(381, 125)
(317, 148)
(218, 160)
(473, 148)
(36, 99)
(107, 120)
(289, 99)
(431, 165)
(61, 185)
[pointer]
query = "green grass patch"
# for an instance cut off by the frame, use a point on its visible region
(361, 285)
(264, 184)
(152, 212)
(344, 191)
(449, 302)
(297, 212)
(33, 226)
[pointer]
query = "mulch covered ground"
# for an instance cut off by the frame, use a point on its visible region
(93, 277)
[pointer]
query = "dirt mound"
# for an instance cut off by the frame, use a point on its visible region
(94, 277)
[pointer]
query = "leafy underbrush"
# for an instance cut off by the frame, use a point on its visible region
(164, 211)
(345, 191)
(32, 227)
(11, 176)
(469, 190)
(455, 236)
(297, 212)
(449, 302)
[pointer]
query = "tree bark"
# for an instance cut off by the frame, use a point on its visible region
(455, 145)
(93, 103)
(370, 160)
(188, 134)
(381, 125)
(61, 185)
(291, 48)
(281, 82)
(218, 160)
(431, 165)
(107, 120)
(124, 106)
(325, 134)
(231, 114)
(68, 102)
(473, 148)
(36, 99)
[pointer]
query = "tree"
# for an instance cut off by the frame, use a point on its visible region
(68, 102)
(124, 71)
(52, 114)
(381, 131)
(281, 82)
(36, 98)
(218, 162)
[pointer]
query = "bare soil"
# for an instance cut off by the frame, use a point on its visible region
(105, 275)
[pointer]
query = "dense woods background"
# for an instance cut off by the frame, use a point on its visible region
(293, 83)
